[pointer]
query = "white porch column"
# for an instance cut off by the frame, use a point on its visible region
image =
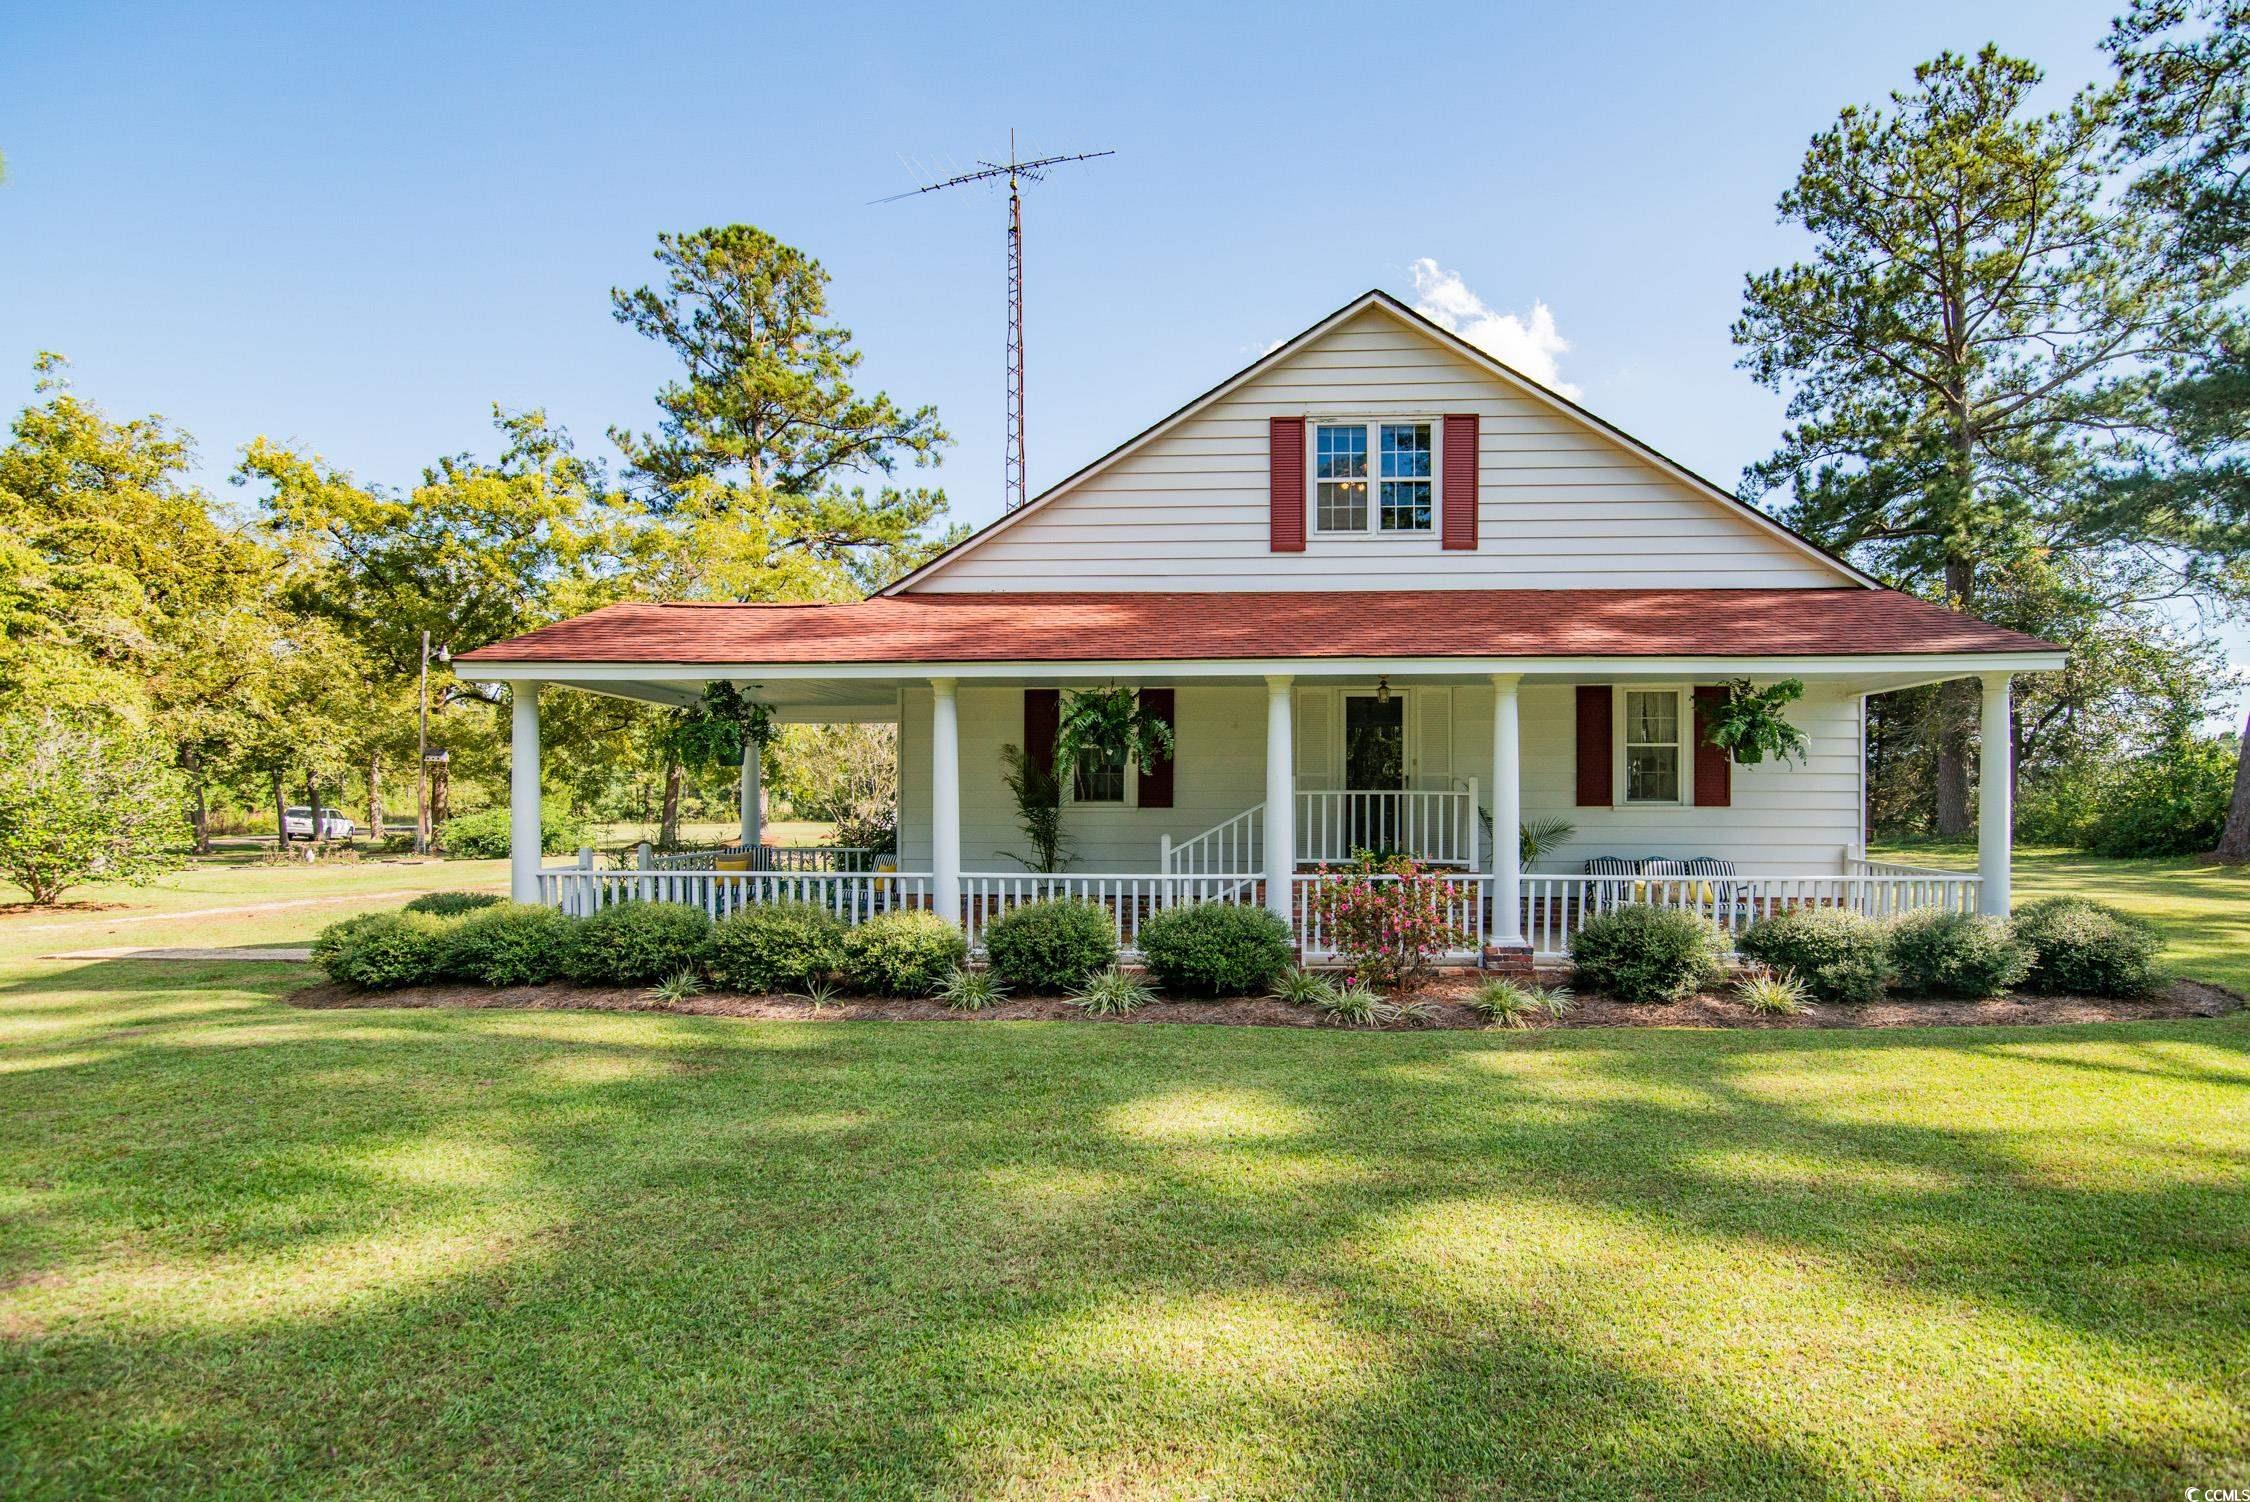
(523, 795)
(1995, 795)
(752, 815)
(1507, 813)
(1281, 799)
(945, 800)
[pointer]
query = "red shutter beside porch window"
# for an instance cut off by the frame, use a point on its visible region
(1594, 750)
(1042, 719)
(1714, 769)
(1285, 484)
(1458, 459)
(1156, 781)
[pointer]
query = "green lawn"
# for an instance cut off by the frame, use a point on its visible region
(250, 1251)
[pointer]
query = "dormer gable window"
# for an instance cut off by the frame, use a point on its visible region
(1373, 476)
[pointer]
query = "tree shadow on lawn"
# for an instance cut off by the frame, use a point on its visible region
(505, 1252)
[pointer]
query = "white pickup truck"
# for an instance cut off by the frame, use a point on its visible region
(296, 824)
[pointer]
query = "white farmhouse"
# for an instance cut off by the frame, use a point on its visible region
(1388, 594)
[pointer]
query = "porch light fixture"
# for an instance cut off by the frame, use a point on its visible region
(1383, 689)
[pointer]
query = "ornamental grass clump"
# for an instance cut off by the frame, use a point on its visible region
(1389, 919)
(2081, 947)
(967, 990)
(681, 985)
(1113, 993)
(1837, 954)
(1356, 1004)
(1508, 1003)
(1772, 993)
(1957, 954)
(1302, 988)
(1647, 954)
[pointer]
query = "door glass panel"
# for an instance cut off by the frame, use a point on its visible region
(1375, 761)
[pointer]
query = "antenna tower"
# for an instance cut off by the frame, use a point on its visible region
(1016, 172)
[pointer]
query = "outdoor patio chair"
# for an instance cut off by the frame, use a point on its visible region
(1611, 865)
(1726, 894)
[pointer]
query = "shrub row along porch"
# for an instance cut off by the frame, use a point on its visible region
(1435, 723)
(1549, 908)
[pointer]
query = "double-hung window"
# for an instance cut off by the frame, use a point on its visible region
(1098, 777)
(1403, 456)
(1652, 745)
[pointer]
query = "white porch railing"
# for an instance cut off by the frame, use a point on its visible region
(771, 858)
(1130, 899)
(1435, 825)
(1553, 907)
(1551, 910)
(852, 896)
(1468, 907)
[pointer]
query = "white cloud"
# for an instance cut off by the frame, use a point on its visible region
(1525, 344)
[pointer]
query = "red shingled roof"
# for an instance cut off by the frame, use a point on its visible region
(1189, 626)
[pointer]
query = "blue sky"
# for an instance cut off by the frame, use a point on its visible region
(357, 231)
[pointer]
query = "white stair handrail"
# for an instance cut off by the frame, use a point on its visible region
(1231, 847)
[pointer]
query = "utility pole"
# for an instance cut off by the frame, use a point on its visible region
(1016, 172)
(422, 759)
(422, 751)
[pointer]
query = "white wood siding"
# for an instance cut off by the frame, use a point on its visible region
(1221, 739)
(1783, 820)
(1560, 504)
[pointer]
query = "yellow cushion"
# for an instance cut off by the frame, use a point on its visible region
(731, 863)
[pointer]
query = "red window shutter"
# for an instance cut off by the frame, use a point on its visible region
(1458, 458)
(1594, 749)
(1285, 483)
(1714, 769)
(1156, 781)
(1042, 718)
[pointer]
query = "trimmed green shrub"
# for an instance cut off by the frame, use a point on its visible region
(508, 944)
(1956, 954)
(2080, 947)
(384, 951)
(448, 904)
(483, 835)
(1642, 953)
(776, 945)
(1051, 946)
(903, 954)
(637, 943)
(1835, 953)
(1216, 949)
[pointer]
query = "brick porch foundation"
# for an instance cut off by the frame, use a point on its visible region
(1510, 960)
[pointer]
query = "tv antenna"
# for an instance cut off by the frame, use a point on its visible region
(1015, 171)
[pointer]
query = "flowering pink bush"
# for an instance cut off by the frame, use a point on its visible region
(1388, 919)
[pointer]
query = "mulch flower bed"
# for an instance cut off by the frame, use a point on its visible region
(1446, 994)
